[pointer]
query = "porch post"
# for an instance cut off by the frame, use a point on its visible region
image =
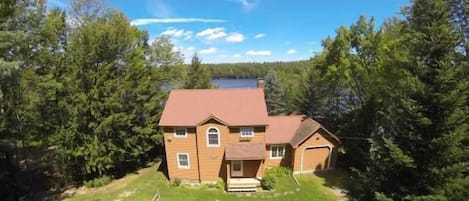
(262, 169)
(228, 171)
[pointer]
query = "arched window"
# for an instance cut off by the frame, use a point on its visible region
(213, 137)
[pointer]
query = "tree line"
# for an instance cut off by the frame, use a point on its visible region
(255, 70)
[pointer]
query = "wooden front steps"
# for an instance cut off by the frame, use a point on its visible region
(243, 184)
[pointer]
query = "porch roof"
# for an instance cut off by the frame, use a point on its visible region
(245, 151)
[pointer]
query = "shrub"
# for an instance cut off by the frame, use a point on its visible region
(278, 171)
(272, 175)
(268, 182)
(175, 183)
(220, 184)
(97, 182)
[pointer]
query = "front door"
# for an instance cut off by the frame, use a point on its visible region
(237, 168)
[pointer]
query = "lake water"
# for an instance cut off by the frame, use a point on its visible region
(235, 83)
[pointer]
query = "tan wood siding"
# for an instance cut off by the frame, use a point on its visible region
(316, 139)
(174, 145)
(212, 165)
(235, 137)
(285, 161)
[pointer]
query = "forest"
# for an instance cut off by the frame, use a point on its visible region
(85, 88)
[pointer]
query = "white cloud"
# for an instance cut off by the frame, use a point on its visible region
(235, 38)
(211, 50)
(188, 35)
(236, 56)
(212, 33)
(145, 21)
(177, 33)
(259, 35)
(158, 8)
(222, 56)
(259, 53)
(291, 51)
(190, 48)
(247, 4)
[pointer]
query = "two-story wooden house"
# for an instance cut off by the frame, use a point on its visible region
(226, 133)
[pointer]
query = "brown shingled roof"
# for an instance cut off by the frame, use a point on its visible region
(281, 129)
(245, 151)
(236, 107)
(307, 128)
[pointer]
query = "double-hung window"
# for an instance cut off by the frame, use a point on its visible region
(213, 137)
(183, 160)
(277, 151)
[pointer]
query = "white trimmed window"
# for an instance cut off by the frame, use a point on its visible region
(213, 137)
(246, 132)
(277, 151)
(183, 160)
(180, 132)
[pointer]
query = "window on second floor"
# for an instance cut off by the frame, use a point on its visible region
(246, 132)
(180, 132)
(213, 137)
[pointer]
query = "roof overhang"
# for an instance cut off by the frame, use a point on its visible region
(248, 151)
(329, 134)
(210, 117)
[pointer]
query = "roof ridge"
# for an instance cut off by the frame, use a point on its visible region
(219, 89)
(296, 115)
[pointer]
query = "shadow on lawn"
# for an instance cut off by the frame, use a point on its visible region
(163, 168)
(335, 179)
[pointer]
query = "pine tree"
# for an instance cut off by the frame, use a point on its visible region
(198, 76)
(114, 98)
(274, 94)
(8, 66)
(312, 97)
(420, 151)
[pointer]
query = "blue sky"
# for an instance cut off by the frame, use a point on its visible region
(248, 30)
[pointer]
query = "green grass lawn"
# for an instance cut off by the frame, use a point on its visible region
(143, 185)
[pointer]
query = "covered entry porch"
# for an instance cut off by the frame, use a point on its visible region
(245, 166)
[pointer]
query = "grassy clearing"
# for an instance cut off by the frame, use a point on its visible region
(143, 185)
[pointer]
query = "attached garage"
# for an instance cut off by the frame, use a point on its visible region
(315, 148)
(316, 158)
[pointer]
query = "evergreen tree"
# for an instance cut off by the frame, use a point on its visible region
(274, 94)
(312, 96)
(420, 151)
(8, 67)
(114, 98)
(198, 76)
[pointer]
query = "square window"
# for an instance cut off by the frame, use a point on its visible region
(180, 132)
